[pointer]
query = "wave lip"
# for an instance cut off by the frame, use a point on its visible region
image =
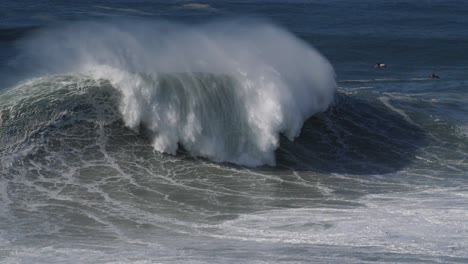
(224, 91)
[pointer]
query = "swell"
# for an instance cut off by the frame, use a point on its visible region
(16, 33)
(358, 134)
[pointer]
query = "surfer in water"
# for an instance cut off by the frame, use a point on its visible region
(379, 65)
(433, 76)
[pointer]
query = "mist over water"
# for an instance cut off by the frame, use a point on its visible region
(224, 91)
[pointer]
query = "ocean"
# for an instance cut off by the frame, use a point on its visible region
(233, 131)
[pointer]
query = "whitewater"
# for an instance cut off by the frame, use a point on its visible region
(223, 91)
(233, 132)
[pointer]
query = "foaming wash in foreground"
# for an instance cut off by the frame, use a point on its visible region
(224, 90)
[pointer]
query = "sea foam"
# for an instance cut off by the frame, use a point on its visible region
(223, 91)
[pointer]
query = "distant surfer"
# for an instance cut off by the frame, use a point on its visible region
(379, 65)
(433, 76)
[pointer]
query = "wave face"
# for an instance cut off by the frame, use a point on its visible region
(223, 91)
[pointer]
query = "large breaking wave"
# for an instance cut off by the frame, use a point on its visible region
(224, 91)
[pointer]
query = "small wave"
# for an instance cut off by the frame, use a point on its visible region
(7, 34)
(126, 10)
(384, 80)
(199, 6)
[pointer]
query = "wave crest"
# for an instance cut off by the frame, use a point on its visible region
(224, 91)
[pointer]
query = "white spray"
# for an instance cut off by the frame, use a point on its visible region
(224, 91)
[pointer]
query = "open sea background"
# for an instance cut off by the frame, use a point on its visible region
(233, 131)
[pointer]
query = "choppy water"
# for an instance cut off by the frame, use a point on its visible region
(233, 132)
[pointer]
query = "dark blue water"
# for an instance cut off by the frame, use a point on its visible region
(415, 39)
(212, 132)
